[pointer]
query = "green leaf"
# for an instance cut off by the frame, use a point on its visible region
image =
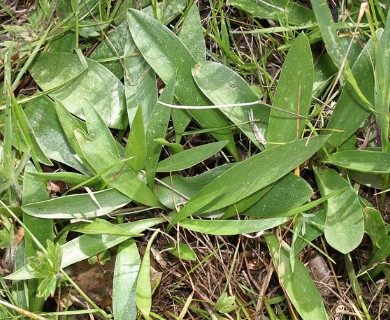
(225, 303)
(349, 104)
(95, 87)
(334, 45)
(100, 226)
(290, 191)
(181, 251)
(69, 177)
(344, 225)
(224, 86)
(86, 246)
(293, 94)
(191, 34)
(49, 133)
(361, 160)
(140, 83)
(185, 187)
(127, 265)
(158, 125)
(108, 50)
(282, 10)
(168, 56)
(190, 157)
(298, 285)
(241, 181)
(231, 227)
(136, 144)
(144, 289)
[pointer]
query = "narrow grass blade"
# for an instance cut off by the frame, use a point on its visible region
(298, 285)
(344, 225)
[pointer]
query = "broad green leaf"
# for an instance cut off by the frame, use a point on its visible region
(281, 10)
(100, 226)
(361, 160)
(350, 112)
(99, 133)
(190, 157)
(241, 181)
(158, 125)
(344, 225)
(69, 177)
(224, 86)
(324, 71)
(298, 285)
(49, 133)
(144, 288)
(127, 265)
(136, 144)
(140, 83)
(95, 87)
(177, 189)
(191, 34)
(231, 227)
(116, 173)
(291, 191)
(168, 56)
(34, 189)
(382, 85)
(181, 251)
(375, 226)
(85, 205)
(86, 246)
(293, 94)
(109, 51)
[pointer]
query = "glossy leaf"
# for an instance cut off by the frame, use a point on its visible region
(224, 86)
(291, 192)
(344, 225)
(168, 56)
(89, 88)
(190, 157)
(361, 160)
(293, 94)
(241, 181)
(86, 246)
(127, 265)
(231, 227)
(298, 285)
(78, 206)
